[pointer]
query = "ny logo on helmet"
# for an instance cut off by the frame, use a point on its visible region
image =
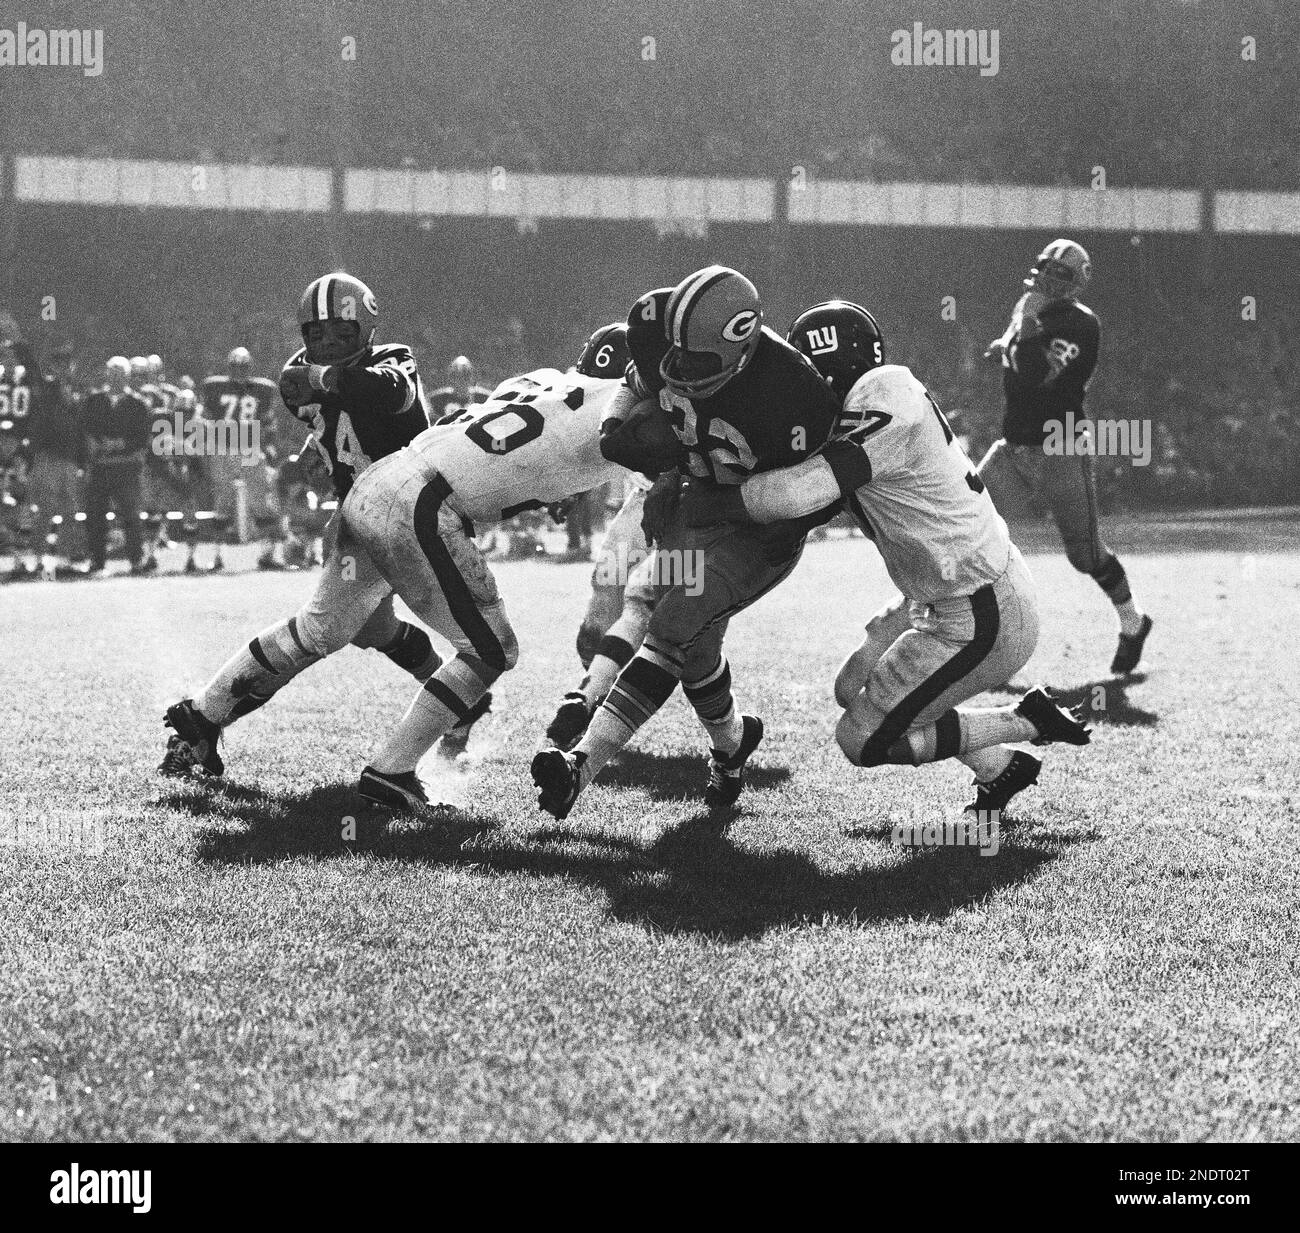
(825, 338)
(740, 327)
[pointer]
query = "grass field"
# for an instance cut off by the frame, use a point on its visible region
(185, 962)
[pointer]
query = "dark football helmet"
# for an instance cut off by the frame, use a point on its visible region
(842, 340)
(1061, 272)
(606, 353)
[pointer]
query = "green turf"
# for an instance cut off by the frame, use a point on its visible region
(189, 963)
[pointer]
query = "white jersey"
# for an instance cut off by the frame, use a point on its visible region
(534, 442)
(920, 500)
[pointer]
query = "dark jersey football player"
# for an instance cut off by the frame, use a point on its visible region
(461, 391)
(364, 401)
(1048, 353)
(741, 400)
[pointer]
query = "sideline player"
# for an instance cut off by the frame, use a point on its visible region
(741, 401)
(1048, 353)
(966, 618)
(364, 401)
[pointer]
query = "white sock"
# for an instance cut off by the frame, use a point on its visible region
(989, 763)
(1130, 617)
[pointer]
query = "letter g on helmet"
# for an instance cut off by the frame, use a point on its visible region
(713, 322)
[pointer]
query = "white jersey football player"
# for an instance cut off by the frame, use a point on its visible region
(966, 618)
(537, 440)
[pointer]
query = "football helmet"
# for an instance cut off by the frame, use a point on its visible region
(606, 353)
(338, 297)
(239, 364)
(842, 340)
(713, 322)
(1061, 272)
(139, 370)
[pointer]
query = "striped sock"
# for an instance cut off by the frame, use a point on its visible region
(439, 706)
(265, 666)
(611, 657)
(641, 689)
(711, 697)
(960, 732)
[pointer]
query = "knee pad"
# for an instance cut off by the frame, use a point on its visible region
(875, 750)
(499, 659)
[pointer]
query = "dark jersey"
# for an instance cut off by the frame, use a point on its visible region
(776, 412)
(243, 400)
(15, 411)
(117, 428)
(446, 401)
(377, 409)
(1045, 376)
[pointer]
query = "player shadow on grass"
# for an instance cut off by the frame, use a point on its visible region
(691, 878)
(671, 777)
(1104, 701)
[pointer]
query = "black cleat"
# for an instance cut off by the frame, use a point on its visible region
(727, 772)
(194, 745)
(556, 775)
(570, 722)
(1020, 773)
(1129, 650)
(402, 793)
(454, 742)
(1054, 723)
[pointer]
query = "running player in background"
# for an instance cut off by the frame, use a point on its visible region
(1048, 353)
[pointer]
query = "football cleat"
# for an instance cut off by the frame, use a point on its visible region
(1020, 773)
(727, 771)
(194, 745)
(1055, 724)
(570, 722)
(556, 775)
(402, 793)
(1129, 650)
(454, 742)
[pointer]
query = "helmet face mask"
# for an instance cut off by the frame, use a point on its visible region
(1061, 271)
(338, 315)
(332, 341)
(841, 340)
(713, 321)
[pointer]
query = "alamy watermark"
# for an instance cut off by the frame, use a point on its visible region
(27, 48)
(919, 48)
(980, 830)
(201, 438)
(1081, 437)
(664, 567)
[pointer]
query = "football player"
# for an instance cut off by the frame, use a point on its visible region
(621, 597)
(363, 400)
(460, 392)
(1048, 353)
(540, 438)
(239, 398)
(741, 401)
(966, 618)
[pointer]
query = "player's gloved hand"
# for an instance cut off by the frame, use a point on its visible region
(995, 351)
(706, 505)
(660, 506)
(296, 389)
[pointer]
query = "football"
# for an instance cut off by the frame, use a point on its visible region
(645, 440)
